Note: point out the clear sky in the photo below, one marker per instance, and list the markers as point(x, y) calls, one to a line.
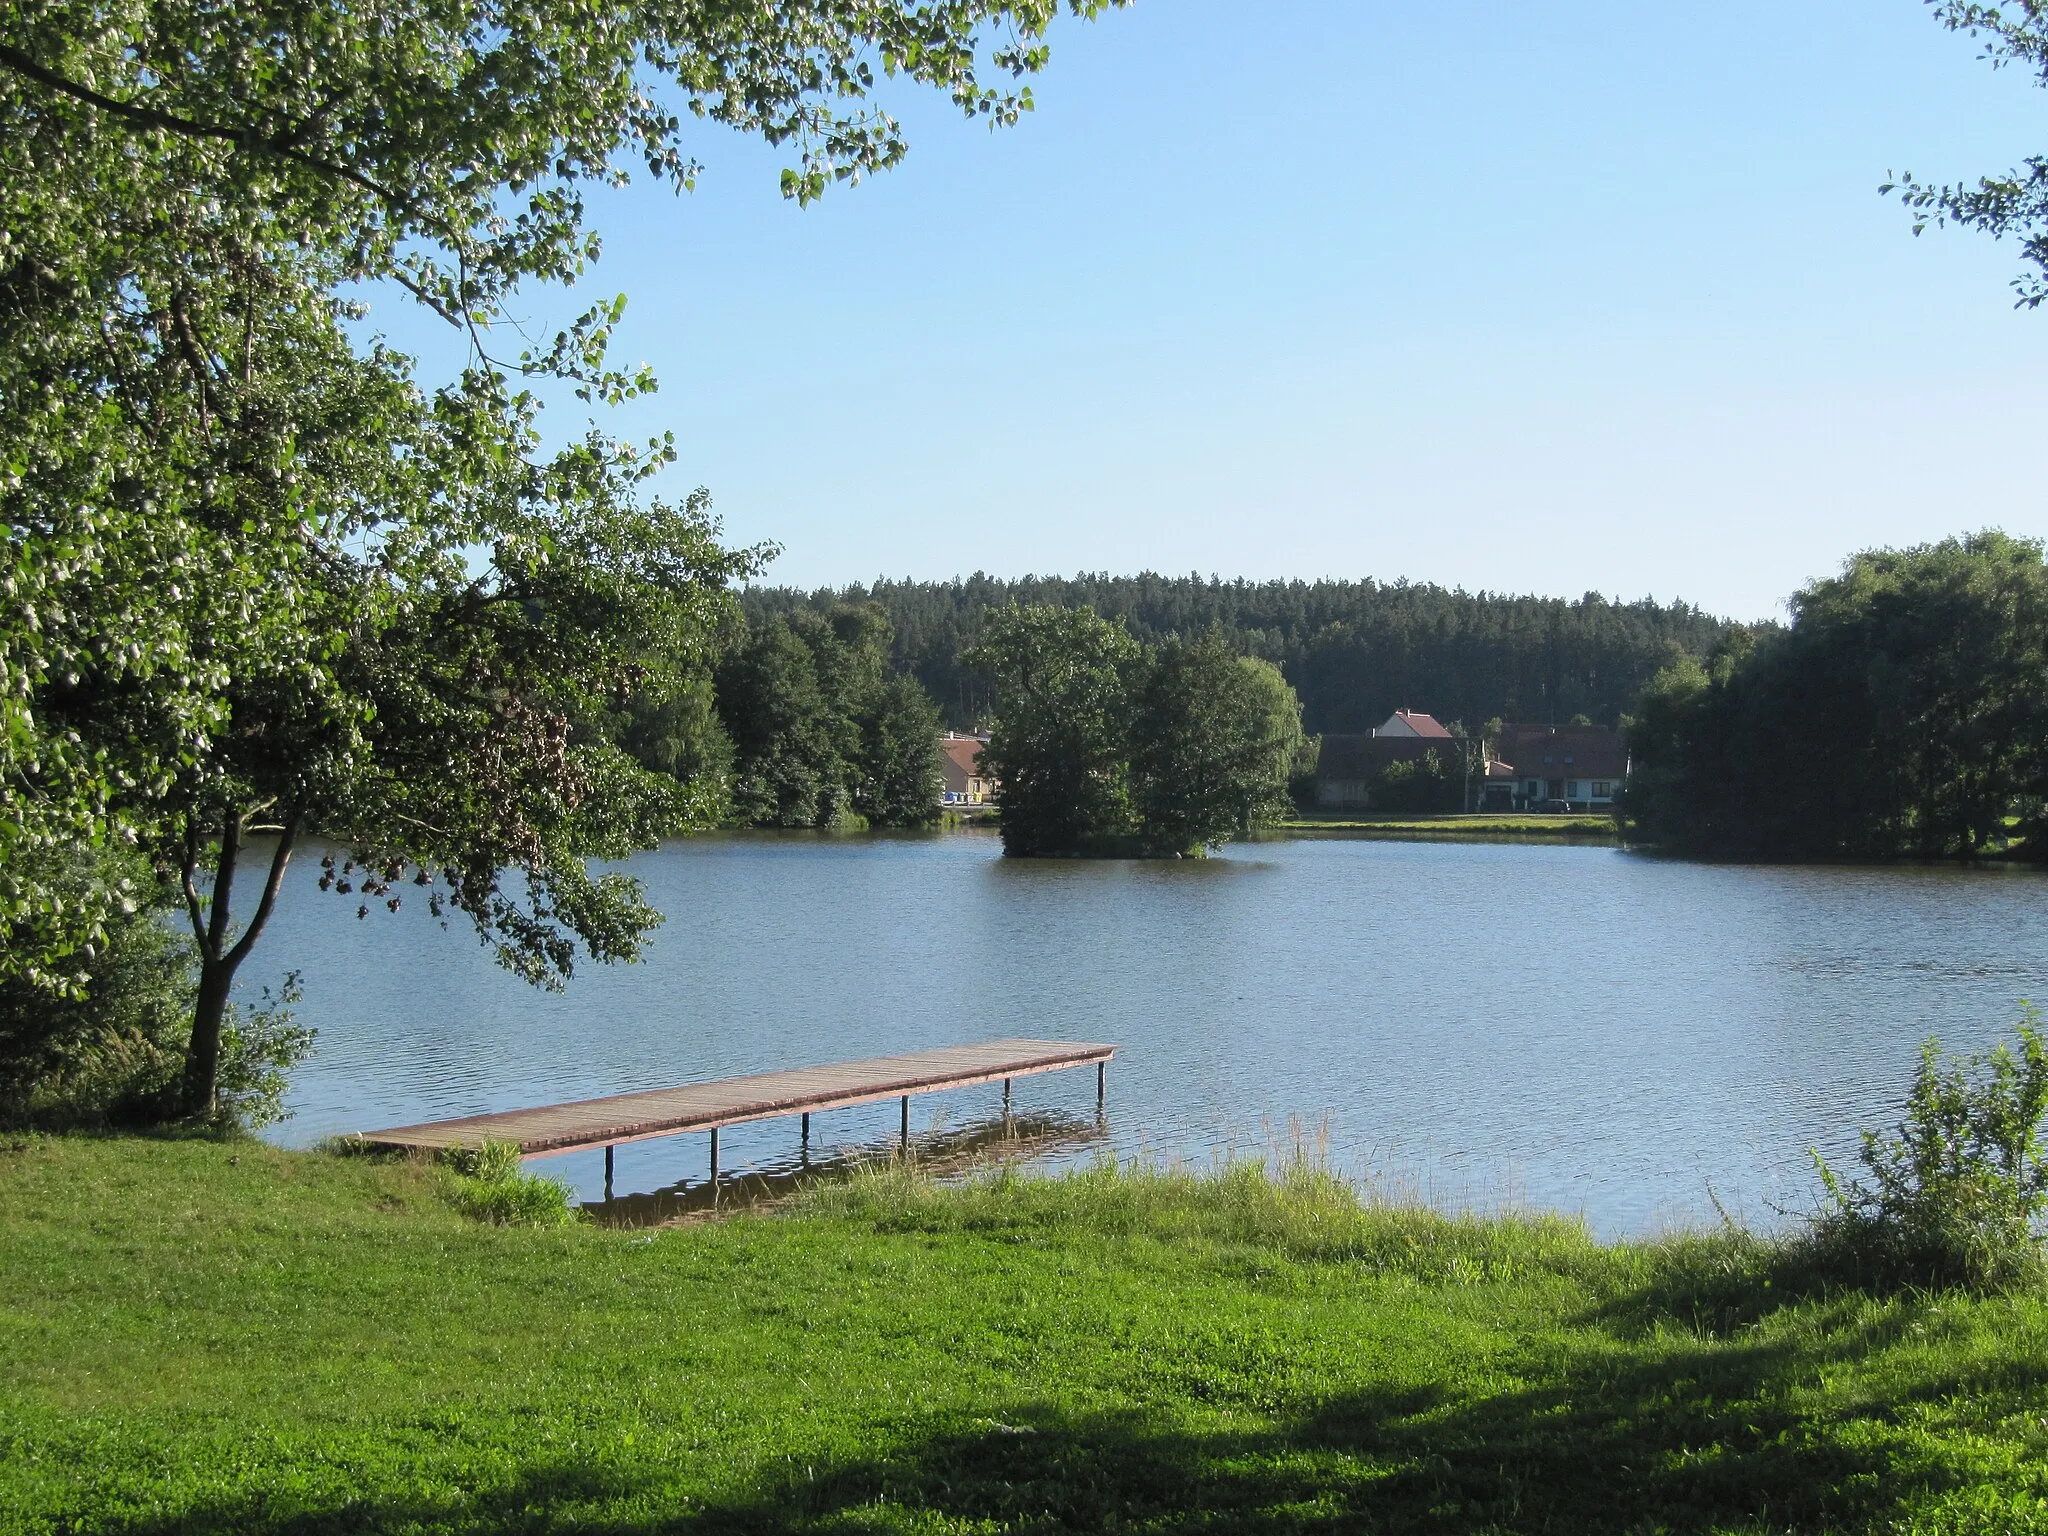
point(1584, 296)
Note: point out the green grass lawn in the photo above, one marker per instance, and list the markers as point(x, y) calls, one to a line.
point(209, 1337)
point(1482, 825)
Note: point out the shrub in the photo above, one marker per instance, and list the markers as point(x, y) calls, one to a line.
point(257, 1047)
point(1958, 1196)
point(486, 1185)
point(112, 1053)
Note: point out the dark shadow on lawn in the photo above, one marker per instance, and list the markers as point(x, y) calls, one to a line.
point(1698, 1441)
point(1606, 1443)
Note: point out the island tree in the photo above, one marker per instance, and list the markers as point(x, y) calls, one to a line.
point(1103, 746)
point(1213, 736)
point(1058, 749)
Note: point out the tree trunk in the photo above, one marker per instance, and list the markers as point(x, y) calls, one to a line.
point(218, 960)
point(202, 1056)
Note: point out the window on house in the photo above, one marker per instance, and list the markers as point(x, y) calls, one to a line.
point(1602, 789)
point(1571, 789)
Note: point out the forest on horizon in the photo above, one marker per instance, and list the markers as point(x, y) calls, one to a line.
point(1353, 650)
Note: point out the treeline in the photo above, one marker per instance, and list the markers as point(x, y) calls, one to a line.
point(1902, 713)
point(1352, 651)
point(800, 723)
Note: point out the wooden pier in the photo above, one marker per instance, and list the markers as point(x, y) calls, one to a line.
point(627, 1117)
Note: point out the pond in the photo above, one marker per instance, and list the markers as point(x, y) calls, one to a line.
point(1583, 1029)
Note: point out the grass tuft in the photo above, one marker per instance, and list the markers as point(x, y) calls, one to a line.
point(1299, 1209)
point(485, 1184)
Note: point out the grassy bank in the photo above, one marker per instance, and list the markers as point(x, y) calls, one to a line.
point(199, 1337)
point(1479, 826)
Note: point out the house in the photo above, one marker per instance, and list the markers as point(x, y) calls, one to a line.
point(1578, 767)
point(1405, 724)
point(1349, 764)
point(962, 781)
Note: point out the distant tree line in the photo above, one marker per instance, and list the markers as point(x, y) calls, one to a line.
point(1104, 745)
point(1902, 713)
point(1352, 651)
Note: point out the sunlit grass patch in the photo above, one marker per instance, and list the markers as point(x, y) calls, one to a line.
point(207, 1336)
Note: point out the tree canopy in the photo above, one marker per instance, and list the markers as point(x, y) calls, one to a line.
point(1904, 712)
point(1353, 650)
point(1101, 745)
point(821, 732)
point(259, 578)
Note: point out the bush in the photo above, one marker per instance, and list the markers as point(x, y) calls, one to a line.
point(1959, 1195)
point(257, 1047)
point(486, 1185)
point(111, 1054)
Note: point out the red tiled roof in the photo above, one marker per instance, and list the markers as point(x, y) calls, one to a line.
point(1564, 751)
point(1422, 725)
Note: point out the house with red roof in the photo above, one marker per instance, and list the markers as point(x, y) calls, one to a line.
point(1573, 767)
point(962, 781)
point(1349, 765)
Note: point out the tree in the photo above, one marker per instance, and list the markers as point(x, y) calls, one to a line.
point(1213, 736)
point(1062, 679)
point(899, 781)
point(793, 745)
point(1429, 783)
point(2016, 203)
point(821, 731)
point(239, 593)
point(1904, 712)
point(116, 1053)
point(680, 734)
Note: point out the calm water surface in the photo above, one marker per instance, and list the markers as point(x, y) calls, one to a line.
point(1576, 1028)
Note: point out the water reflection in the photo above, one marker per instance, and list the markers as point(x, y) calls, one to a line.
point(943, 1154)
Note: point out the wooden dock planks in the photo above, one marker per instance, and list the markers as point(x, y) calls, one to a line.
point(731, 1101)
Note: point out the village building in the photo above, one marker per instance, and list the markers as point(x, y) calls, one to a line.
point(1495, 789)
point(1349, 765)
point(1532, 767)
point(1562, 767)
point(962, 781)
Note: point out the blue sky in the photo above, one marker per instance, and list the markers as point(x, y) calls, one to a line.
point(1529, 298)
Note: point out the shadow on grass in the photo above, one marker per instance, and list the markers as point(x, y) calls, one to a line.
point(1702, 1441)
point(1699, 1437)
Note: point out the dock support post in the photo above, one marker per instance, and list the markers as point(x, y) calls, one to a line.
point(805, 1149)
point(903, 1139)
point(1006, 1101)
point(714, 1157)
point(1101, 1083)
point(607, 1171)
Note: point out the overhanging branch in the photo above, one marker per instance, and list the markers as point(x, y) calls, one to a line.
point(149, 117)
